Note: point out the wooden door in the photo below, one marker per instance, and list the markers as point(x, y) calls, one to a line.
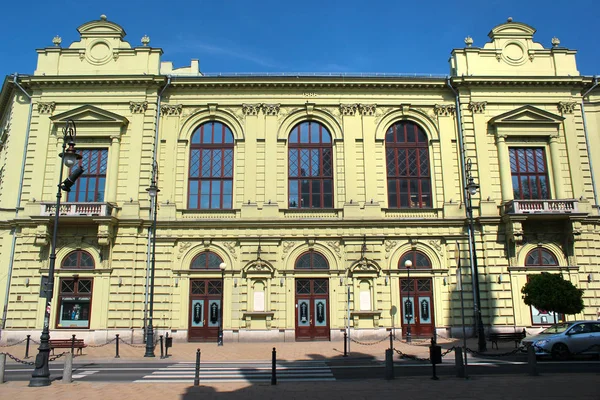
point(205, 313)
point(419, 306)
point(312, 309)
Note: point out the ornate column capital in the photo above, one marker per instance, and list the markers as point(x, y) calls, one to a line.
point(566, 107)
point(444, 110)
point(171, 109)
point(251, 109)
point(367, 109)
point(348, 109)
point(138, 107)
point(271, 109)
point(477, 106)
point(46, 107)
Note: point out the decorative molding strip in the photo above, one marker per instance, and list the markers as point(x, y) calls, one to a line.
point(138, 107)
point(566, 107)
point(46, 108)
point(168, 109)
point(477, 106)
point(251, 109)
point(270, 109)
point(348, 109)
point(442, 110)
point(367, 109)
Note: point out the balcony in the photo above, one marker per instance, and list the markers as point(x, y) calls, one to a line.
point(542, 207)
point(77, 209)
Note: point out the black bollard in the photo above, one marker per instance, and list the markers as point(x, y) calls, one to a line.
point(197, 372)
point(435, 355)
point(459, 365)
point(161, 347)
point(391, 341)
point(389, 364)
point(168, 343)
point(531, 361)
point(117, 346)
point(345, 344)
point(27, 346)
point(73, 345)
point(274, 367)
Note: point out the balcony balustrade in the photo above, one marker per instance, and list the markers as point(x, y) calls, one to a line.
point(77, 209)
point(552, 207)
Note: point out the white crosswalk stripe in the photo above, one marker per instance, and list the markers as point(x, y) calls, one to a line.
point(84, 373)
point(183, 372)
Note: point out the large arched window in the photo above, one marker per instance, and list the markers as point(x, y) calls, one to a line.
point(78, 259)
point(310, 166)
point(311, 260)
point(211, 167)
point(540, 257)
point(206, 260)
point(408, 173)
point(419, 260)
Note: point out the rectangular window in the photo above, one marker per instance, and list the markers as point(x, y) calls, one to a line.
point(91, 184)
point(529, 173)
point(74, 303)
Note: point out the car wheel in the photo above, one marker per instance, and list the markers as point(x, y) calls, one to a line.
point(560, 352)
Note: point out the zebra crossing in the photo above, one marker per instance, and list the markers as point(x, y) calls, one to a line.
point(251, 372)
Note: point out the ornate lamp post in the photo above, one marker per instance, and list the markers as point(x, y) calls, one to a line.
point(41, 374)
point(472, 189)
point(153, 193)
point(222, 266)
point(408, 304)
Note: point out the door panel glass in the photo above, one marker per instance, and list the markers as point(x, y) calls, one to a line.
point(425, 310)
point(197, 313)
point(303, 313)
point(214, 313)
point(408, 310)
point(320, 312)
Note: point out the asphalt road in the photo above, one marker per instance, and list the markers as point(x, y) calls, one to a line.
point(291, 371)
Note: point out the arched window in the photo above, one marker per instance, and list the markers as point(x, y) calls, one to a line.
point(311, 260)
point(310, 170)
point(419, 260)
point(540, 257)
point(210, 183)
point(408, 173)
point(78, 259)
point(206, 260)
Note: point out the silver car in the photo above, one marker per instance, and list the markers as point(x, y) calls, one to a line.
point(565, 339)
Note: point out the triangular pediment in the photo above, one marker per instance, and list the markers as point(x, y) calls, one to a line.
point(528, 115)
point(89, 114)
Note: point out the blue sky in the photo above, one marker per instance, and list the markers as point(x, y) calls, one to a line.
point(307, 36)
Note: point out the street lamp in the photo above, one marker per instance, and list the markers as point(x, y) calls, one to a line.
point(41, 374)
point(408, 304)
point(222, 266)
point(153, 193)
point(471, 190)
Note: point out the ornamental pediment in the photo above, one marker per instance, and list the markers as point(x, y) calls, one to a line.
point(92, 121)
point(527, 115)
point(364, 267)
point(258, 267)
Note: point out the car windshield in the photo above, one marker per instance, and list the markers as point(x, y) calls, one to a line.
point(557, 328)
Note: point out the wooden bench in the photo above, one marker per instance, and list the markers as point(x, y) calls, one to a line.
point(516, 337)
point(66, 344)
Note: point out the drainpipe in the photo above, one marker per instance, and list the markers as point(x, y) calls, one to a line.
point(154, 179)
point(587, 142)
point(474, 272)
point(18, 205)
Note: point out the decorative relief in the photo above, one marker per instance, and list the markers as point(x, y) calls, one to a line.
point(477, 106)
point(138, 107)
point(565, 107)
point(57, 41)
point(271, 109)
point(389, 246)
point(444, 110)
point(231, 247)
point(367, 109)
point(46, 107)
point(287, 246)
point(436, 244)
point(251, 109)
point(183, 247)
point(171, 109)
point(348, 109)
point(335, 245)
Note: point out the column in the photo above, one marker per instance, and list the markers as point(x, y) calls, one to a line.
point(113, 169)
point(559, 187)
point(504, 164)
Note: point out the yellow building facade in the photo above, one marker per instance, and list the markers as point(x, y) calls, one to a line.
point(289, 204)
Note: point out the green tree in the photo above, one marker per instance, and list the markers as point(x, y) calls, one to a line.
point(551, 292)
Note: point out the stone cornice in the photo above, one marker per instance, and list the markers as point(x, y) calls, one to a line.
point(519, 81)
point(91, 80)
